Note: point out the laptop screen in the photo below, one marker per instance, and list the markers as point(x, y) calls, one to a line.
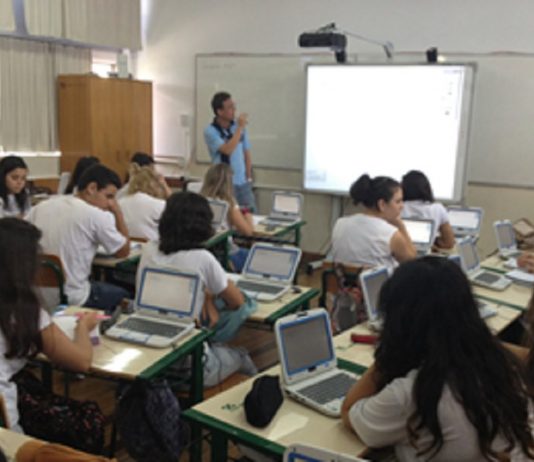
point(219, 212)
point(455, 259)
point(164, 290)
point(420, 231)
point(505, 235)
point(465, 219)
point(286, 203)
point(298, 352)
point(274, 262)
point(372, 282)
point(468, 254)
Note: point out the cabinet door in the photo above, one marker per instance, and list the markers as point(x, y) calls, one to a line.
point(138, 118)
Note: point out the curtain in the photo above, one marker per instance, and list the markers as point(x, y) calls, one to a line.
point(44, 17)
point(7, 17)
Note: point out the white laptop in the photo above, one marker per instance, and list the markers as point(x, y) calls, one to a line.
point(220, 211)
point(268, 271)
point(371, 281)
point(305, 453)
point(506, 243)
point(471, 265)
point(308, 361)
point(465, 221)
point(421, 233)
point(165, 309)
point(286, 209)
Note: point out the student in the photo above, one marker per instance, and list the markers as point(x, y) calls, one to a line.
point(183, 228)
point(14, 197)
point(419, 203)
point(25, 328)
point(81, 166)
point(442, 387)
point(143, 204)
point(218, 185)
point(74, 226)
point(377, 236)
point(144, 160)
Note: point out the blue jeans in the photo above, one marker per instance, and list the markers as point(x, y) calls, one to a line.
point(105, 296)
point(238, 259)
point(245, 196)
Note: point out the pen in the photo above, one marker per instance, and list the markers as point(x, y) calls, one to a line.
point(358, 338)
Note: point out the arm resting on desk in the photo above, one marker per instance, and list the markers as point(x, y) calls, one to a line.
point(445, 239)
point(366, 386)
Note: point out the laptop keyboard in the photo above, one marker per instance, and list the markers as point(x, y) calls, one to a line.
point(488, 278)
point(144, 326)
point(327, 390)
point(257, 287)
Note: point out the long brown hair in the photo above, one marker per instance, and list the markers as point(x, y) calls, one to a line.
point(218, 184)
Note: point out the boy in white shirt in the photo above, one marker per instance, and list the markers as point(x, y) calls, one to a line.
point(74, 226)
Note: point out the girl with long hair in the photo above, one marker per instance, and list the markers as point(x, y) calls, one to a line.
point(14, 197)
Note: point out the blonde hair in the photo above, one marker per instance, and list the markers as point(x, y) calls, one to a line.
point(218, 183)
point(144, 179)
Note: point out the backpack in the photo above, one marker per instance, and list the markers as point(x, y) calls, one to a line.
point(148, 421)
point(54, 418)
point(347, 309)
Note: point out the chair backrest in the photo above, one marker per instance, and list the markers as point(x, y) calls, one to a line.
point(50, 275)
point(64, 179)
point(330, 280)
point(4, 418)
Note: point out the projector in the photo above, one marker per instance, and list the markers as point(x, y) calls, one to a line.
point(323, 39)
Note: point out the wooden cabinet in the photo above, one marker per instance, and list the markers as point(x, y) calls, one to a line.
point(107, 118)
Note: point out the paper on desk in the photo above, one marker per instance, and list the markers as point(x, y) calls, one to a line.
point(521, 277)
point(67, 323)
point(256, 219)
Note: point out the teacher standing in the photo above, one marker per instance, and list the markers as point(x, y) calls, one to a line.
point(227, 141)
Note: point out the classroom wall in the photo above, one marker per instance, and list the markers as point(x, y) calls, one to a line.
point(175, 30)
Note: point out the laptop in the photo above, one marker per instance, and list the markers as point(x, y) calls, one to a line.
point(471, 265)
point(465, 221)
point(220, 212)
point(421, 232)
point(165, 309)
point(286, 209)
point(506, 243)
point(308, 362)
point(268, 271)
point(371, 281)
point(305, 453)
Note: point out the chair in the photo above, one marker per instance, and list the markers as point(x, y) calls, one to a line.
point(50, 275)
point(64, 179)
point(329, 280)
point(4, 418)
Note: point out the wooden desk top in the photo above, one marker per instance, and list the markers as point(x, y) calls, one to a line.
point(293, 423)
point(111, 261)
point(11, 441)
point(516, 296)
point(495, 263)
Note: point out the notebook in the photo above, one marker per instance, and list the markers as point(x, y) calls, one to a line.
point(421, 232)
point(471, 265)
point(506, 243)
point(220, 211)
point(308, 362)
point(305, 453)
point(371, 281)
point(268, 271)
point(286, 209)
point(465, 221)
point(165, 309)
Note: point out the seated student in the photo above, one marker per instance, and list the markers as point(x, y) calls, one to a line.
point(14, 197)
point(183, 228)
point(218, 185)
point(74, 226)
point(25, 328)
point(144, 160)
point(377, 236)
point(143, 204)
point(81, 166)
point(419, 203)
point(442, 388)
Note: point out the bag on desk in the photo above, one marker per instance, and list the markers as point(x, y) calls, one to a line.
point(148, 421)
point(263, 401)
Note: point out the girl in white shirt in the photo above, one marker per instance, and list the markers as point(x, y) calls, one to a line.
point(218, 185)
point(14, 197)
point(419, 203)
point(442, 388)
point(376, 236)
point(26, 329)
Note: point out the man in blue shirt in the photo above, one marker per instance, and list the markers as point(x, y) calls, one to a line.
point(227, 141)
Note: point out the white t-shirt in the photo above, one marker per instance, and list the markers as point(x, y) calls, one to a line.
point(200, 261)
point(12, 209)
point(73, 230)
point(122, 192)
point(428, 210)
point(363, 240)
point(8, 368)
point(141, 214)
point(380, 420)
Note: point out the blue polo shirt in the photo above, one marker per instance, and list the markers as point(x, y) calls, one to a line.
point(214, 141)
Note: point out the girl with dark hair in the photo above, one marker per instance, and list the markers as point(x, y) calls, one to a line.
point(184, 227)
point(442, 387)
point(81, 166)
point(26, 329)
point(377, 236)
point(419, 203)
point(14, 197)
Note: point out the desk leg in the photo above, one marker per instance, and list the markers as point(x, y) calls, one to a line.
point(219, 447)
point(226, 255)
point(196, 394)
point(297, 236)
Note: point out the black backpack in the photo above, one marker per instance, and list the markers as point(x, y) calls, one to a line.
point(149, 424)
